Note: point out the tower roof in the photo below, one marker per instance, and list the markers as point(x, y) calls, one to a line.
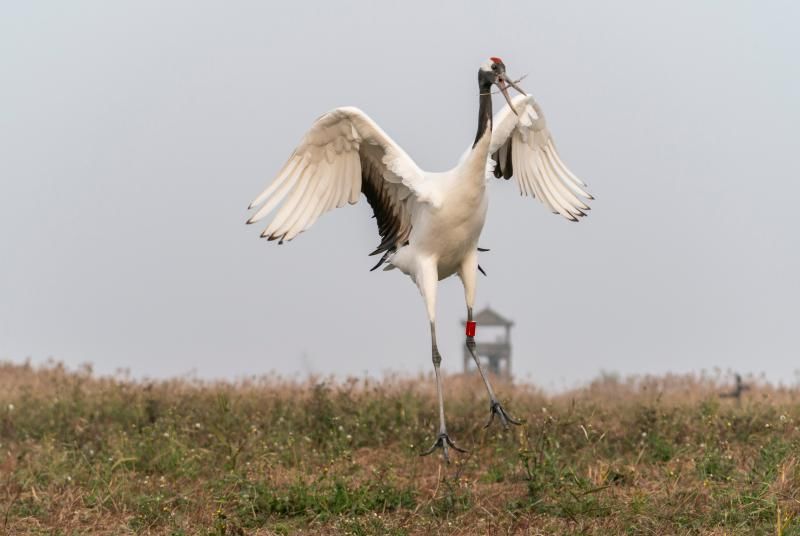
point(489, 317)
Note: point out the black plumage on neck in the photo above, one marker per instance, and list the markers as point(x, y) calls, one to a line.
point(484, 110)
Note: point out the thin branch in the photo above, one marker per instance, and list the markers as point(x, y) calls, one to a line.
point(521, 78)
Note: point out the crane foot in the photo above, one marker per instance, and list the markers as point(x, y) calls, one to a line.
point(505, 418)
point(443, 442)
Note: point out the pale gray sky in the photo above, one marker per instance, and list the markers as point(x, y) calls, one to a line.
point(134, 134)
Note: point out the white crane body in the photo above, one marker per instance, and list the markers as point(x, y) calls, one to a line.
point(429, 223)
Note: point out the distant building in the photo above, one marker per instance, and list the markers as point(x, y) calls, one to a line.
point(492, 344)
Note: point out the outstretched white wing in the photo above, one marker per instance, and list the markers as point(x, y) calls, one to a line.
point(523, 147)
point(344, 154)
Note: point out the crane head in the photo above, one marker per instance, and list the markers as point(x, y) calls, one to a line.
point(493, 71)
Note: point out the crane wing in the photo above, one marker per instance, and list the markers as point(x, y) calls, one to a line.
point(523, 147)
point(344, 154)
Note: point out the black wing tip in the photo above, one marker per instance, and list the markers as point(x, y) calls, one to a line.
point(280, 238)
point(380, 262)
point(579, 217)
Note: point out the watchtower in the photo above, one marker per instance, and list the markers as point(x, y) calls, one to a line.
point(492, 344)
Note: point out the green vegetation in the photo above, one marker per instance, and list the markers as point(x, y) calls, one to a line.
point(87, 455)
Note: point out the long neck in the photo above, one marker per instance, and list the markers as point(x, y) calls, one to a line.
point(484, 111)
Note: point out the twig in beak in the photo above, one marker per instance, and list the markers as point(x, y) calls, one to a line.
point(515, 86)
point(512, 84)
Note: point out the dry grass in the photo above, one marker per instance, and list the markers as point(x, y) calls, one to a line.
point(87, 455)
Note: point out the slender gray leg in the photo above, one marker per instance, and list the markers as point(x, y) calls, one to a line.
point(495, 407)
point(443, 441)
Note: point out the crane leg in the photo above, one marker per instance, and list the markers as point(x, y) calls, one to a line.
point(427, 285)
point(468, 275)
point(443, 440)
point(495, 408)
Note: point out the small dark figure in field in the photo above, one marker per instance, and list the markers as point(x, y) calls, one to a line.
point(737, 391)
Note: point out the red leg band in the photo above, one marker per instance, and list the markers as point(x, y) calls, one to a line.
point(471, 328)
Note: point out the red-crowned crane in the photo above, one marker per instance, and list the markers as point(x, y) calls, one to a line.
point(429, 223)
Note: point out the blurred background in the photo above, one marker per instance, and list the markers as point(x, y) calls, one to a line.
point(134, 135)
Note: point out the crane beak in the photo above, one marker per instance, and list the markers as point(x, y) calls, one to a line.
point(502, 83)
point(515, 86)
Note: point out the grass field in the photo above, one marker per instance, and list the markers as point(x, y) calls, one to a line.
point(87, 455)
